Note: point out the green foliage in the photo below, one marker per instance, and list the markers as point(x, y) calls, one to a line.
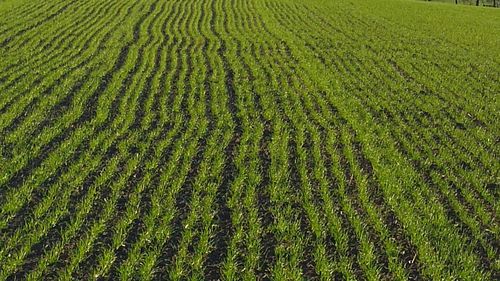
point(253, 140)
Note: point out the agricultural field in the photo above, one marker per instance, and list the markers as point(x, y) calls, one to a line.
point(249, 140)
